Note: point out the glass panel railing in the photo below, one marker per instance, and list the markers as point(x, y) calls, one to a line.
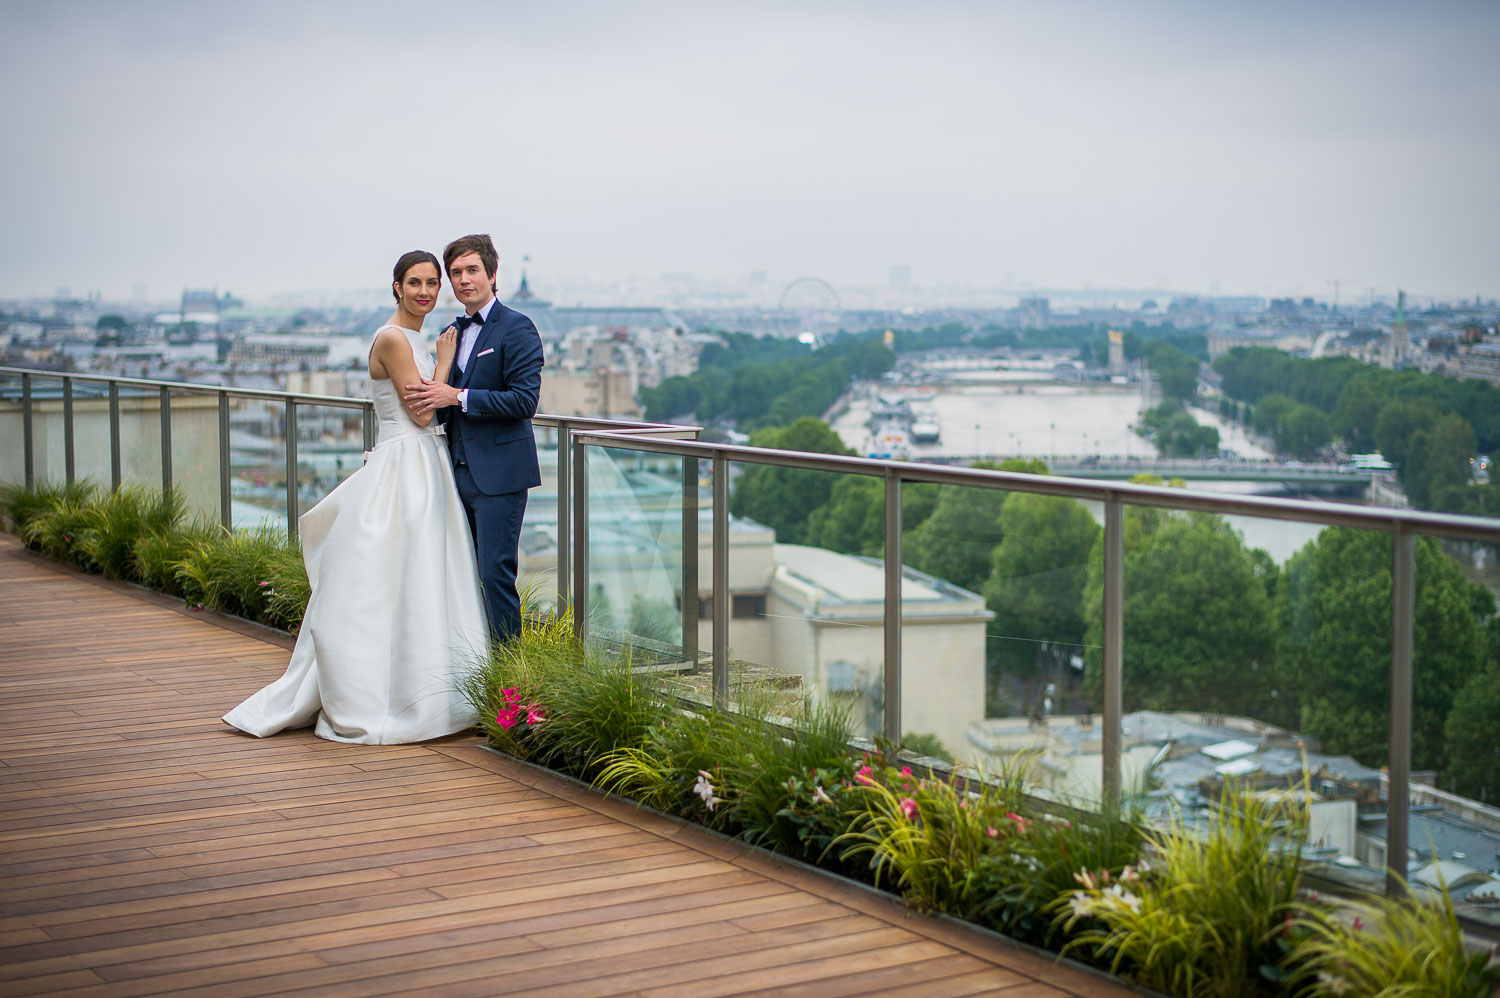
point(195, 453)
point(140, 436)
point(12, 422)
point(635, 553)
point(47, 448)
point(807, 602)
point(330, 448)
point(1258, 651)
point(91, 454)
point(1029, 561)
point(257, 462)
point(537, 574)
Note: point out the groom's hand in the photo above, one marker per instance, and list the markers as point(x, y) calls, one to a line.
point(430, 395)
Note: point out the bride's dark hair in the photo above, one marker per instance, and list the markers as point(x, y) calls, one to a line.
point(407, 262)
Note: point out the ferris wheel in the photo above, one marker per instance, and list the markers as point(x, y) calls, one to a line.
point(811, 308)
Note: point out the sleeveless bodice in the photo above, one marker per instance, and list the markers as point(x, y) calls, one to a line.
point(393, 422)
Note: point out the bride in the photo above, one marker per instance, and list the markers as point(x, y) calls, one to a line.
point(395, 612)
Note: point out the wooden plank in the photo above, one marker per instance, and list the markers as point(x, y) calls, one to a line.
point(146, 847)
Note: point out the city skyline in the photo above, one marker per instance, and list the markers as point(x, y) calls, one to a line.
point(284, 148)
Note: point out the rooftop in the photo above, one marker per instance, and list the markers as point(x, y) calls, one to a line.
point(149, 848)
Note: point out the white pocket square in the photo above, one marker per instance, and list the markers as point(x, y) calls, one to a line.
point(483, 352)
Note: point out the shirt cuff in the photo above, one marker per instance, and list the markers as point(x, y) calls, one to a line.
point(463, 399)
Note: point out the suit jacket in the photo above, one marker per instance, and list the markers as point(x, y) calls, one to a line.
point(504, 380)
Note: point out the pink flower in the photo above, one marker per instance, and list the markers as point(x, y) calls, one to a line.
point(507, 718)
point(862, 776)
point(512, 696)
point(905, 770)
point(992, 832)
point(908, 807)
point(534, 715)
point(262, 584)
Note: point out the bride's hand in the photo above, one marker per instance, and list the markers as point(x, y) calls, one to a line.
point(447, 345)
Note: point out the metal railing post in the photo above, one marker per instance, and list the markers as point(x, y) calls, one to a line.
point(69, 453)
point(226, 498)
point(721, 581)
point(892, 717)
point(291, 468)
point(367, 417)
point(690, 561)
point(580, 601)
point(1114, 646)
point(27, 448)
point(166, 441)
point(116, 472)
point(1398, 802)
point(564, 513)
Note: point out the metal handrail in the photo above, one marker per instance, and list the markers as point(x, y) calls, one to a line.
point(1403, 524)
point(291, 401)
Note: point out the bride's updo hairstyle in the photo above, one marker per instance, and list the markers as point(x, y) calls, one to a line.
point(407, 262)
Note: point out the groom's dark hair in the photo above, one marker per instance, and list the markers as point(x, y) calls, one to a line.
point(481, 244)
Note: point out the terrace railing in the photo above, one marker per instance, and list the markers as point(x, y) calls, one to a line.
point(629, 518)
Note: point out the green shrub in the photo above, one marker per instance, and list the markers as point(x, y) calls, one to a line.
point(935, 837)
point(1202, 918)
point(1022, 888)
point(231, 570)
point(1389, 947)
point(21, 505)
point(55, 527)
point(157, 557)
point(546, 697)
point(117, 520)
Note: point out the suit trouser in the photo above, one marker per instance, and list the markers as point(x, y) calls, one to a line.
point(495, 522)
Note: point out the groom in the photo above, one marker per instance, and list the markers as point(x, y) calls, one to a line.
point(486, 406)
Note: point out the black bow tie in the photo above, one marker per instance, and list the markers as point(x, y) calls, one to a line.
point(465, 321)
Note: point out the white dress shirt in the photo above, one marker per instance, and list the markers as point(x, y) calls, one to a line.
point(466, 348)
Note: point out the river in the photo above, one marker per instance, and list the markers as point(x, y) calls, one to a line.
point(1023, 412)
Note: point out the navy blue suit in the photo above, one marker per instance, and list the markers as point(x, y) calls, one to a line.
point(494, 451)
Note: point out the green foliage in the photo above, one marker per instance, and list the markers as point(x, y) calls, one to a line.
point(54, 520)
point(932, 837)
point(1334, 619)
point(547, 697)
point(1396, 412)
point(21, 505)
point(115, 523)
point(957, 540)
point(1392, 948)
point(1176, 370)
point(925, 743)
point(767, 381)
point(774, 766)
point(232, 571)
point(156, 556)
point(1472, 738)
point(1197, 618)
point(1023, 892)
point(784, 498)
point(1201, 919)
point(1177, 434)
point(1039, 571)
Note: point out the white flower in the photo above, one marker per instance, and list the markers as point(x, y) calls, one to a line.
point(1080, 905)
point(820, 796)
point(1121, 896)
point(1335, 985)
point(704, 789)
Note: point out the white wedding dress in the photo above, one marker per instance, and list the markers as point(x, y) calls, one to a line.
point(395, 616)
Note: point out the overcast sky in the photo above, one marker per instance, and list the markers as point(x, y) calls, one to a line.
point(1266, 148)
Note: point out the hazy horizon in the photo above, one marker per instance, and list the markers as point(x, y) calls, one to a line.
point(287, 147)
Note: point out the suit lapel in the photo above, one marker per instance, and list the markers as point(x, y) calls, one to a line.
point(491, 324)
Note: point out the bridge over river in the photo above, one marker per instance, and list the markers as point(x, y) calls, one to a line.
point(1338, 477)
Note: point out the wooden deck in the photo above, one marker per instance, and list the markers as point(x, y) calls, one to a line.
point(147, 848)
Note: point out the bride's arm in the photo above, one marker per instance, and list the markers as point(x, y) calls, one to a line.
point(393, 353)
